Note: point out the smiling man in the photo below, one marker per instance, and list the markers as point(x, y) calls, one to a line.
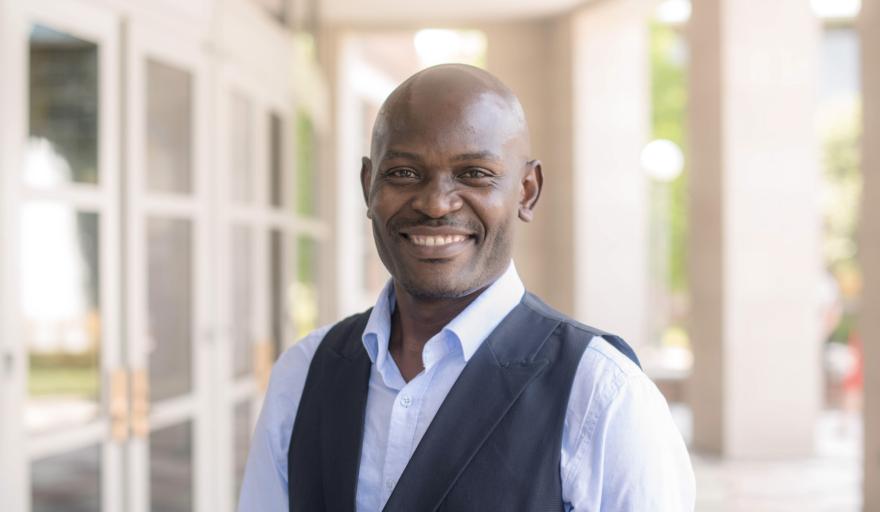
point(459, 390)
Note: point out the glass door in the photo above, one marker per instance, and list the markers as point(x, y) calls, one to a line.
point(67, 261)
point(254, 315)
point(169, 293)
point(245, 356)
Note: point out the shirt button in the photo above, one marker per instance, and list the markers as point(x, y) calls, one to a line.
point(405, 401)
point(389, 484)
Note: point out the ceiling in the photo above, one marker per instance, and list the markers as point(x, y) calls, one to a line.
point(437, 11)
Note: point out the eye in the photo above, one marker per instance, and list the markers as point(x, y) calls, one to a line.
point(475, 173)
point(401, 173)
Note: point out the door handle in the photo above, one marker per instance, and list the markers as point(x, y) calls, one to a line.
point(263, 358)
point(119, 405)
point(140, 406)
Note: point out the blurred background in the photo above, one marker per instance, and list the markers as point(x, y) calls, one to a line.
point(180, 202)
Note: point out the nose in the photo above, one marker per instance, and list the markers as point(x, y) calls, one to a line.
point(437, 198)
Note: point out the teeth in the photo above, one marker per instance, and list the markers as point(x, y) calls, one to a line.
point(434, 241)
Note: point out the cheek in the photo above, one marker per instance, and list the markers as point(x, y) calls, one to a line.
point(495, 214)
point(384, 204)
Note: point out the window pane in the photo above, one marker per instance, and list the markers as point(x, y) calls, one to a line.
point(276, 160)
point(70, 482)
point(276, 290)
point(241, 147)
point(306, 170)
point(242, 297)
point(63, 110)
point(169, 129)
point(304, 290)
point(170, 307)
point(242, 419)
point(171, 469)
point(60, 304)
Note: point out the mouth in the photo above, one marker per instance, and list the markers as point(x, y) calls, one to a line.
point(435, 241)
point(436, 245)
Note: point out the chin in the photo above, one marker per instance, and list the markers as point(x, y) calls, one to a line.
point(441, 285)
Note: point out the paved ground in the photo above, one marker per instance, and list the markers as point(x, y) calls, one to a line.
point(830, 481)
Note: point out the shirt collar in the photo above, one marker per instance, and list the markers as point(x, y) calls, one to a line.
point(469, 328)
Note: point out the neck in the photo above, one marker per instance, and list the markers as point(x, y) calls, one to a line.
point(415, 321)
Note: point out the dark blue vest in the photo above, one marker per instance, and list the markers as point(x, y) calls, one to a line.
point(493, 445)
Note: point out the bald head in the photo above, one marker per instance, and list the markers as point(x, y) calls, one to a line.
point(453, 97)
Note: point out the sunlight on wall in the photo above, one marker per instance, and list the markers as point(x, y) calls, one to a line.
point(437, 46)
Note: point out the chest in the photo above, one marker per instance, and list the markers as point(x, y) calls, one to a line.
point(502, 474)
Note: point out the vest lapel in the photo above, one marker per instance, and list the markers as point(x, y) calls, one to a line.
point(493, 379)
point(348, 376)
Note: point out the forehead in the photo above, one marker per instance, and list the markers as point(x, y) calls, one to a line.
point(444, 125)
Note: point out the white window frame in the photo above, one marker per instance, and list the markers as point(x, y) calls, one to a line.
point(83, 20)
point(174, 48)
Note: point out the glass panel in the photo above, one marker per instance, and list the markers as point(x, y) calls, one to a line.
point(70, 482)
point(306, 170)
point(63, 110)
point(242, 297)
point(242, 419)
point(169, 129)
point(276, 160)
point(304, 290)
point(171, 470)
point(241, 147)
point(170, 306)
point(60, 304)
point(276, 289)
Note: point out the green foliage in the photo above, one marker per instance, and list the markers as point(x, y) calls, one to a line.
point(668, 121)
point(64, 375)
point(306, 185)
point(841, 136)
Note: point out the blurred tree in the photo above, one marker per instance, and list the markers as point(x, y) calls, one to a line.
point(840, 123)
point(668, 53)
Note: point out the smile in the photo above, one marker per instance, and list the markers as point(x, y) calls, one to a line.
point(436, 241)
point(436, 244)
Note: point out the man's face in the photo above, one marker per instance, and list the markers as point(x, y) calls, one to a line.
point(447, 181)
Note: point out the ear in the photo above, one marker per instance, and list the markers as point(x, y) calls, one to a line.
point(530, 188)
point(366, 179)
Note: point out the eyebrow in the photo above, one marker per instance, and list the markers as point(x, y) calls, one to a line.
point(392, 155)
point(479, 155)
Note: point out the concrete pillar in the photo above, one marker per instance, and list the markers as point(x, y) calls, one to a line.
point(869, 247)
point(611, 126)
point(754, 254)
point(534, 59)
point(583, 81)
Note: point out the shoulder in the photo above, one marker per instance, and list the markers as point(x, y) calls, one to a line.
point(300, 353)
point(619, 434)
point(606, 343)
point(288, 377)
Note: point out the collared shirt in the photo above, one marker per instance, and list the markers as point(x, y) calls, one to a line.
point(620, 448)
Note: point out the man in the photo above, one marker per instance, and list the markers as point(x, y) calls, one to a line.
point(459, 391)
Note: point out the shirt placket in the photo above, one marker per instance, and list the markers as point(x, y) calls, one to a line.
point(401, 432)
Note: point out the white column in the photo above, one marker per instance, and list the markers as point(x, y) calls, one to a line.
point(611, 126)
point(869, 248)
point(754, 254)
point(14, 469)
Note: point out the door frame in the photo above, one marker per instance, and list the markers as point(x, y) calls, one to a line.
point(143, 41)
point(83, 20)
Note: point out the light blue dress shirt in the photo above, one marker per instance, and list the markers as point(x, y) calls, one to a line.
point(620, 449)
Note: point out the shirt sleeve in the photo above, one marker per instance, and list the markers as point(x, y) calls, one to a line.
point(628, 455)
point(265, 478)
